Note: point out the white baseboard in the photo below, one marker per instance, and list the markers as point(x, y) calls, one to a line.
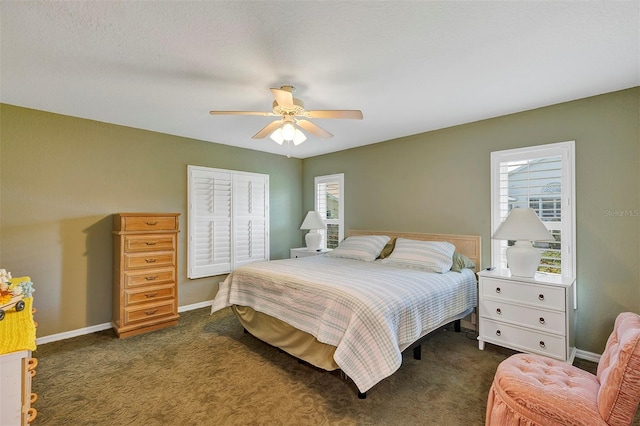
point(101, 327)
point(588, 356)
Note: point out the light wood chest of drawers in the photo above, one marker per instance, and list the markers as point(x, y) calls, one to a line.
point(534, 315)
point(145, 266)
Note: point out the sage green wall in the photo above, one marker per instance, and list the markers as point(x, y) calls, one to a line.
point(440, 182)
point(61, 179)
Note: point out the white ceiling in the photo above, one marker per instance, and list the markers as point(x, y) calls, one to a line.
point(410, 66)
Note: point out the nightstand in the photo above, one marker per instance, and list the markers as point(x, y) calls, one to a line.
point(534, 315)
point(303, 252)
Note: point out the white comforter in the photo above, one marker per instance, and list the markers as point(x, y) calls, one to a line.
point(369, 311)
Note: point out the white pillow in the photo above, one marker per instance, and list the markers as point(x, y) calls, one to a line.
point(430, 256)
point(365, 247)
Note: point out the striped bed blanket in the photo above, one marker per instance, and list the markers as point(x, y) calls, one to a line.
point(369, 311)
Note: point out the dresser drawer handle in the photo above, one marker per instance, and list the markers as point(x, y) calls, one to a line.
point(541, 297)
point(150, 312)
point(32, 413)
point(542, 321)
point(542, 345)
point(498, 333)
point(150, 295)
point(152, 223)
point(151, 243)
point(32, 363)
point(152, 260)
point(499, 311)
point(151, 278)
point(498, 290)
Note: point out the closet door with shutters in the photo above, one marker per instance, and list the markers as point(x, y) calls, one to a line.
point(251, 219)
point(210, 213)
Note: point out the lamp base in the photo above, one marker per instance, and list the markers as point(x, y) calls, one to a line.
point(313, 240)
point(523, 259)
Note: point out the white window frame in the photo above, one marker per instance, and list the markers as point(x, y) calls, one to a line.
point(233, 218)
point(568, 223)
point(318, 180)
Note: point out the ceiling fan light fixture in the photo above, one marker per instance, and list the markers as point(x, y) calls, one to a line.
point(288, 133)
point(276, 136)
point(298, 137)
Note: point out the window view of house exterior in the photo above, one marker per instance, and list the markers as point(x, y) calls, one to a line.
point(542, 178)
point(330, 203)
point(537, 184)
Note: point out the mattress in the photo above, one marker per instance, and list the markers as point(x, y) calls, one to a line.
point(368, 311)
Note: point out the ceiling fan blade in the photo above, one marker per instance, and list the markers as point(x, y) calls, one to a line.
point(312, 128)
point(351, 113)
point(267, 130)
point(241, 113)
point(284, 98)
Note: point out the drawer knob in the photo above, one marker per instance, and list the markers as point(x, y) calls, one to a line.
point(541, 297)
point(498, 333)
point(542, 345)
point(149, 295)
point(151, 260)
point(541, 320)
point(498, 290)
point(151, 243)
point(499, 311)
point(150, 312)
point(152, 223)
point(151, 278)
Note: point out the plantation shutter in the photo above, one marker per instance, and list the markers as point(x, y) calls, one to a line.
point(210, 218)
point(250, 212)
point(228, 220)
point(329, 203)
point(540, 178)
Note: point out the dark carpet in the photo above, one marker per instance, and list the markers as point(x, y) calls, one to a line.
point(206, 371)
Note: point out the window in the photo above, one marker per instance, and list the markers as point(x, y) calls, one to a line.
point(329, 201)
point(228, 220)
point(540, 177)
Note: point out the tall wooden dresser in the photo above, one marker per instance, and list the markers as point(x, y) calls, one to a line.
point(145, 267)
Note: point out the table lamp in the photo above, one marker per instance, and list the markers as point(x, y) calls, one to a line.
point(523, 226)
point(313, 221)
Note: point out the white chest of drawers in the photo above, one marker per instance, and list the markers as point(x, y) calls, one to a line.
point(303, 252)
point(534, 315)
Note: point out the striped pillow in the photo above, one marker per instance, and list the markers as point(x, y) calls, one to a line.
point(430, 256)
point(366, 247)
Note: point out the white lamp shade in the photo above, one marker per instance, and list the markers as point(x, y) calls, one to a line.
point(523, 226)
point(313, 220)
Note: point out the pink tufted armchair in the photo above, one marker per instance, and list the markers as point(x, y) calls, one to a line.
point(536, 390)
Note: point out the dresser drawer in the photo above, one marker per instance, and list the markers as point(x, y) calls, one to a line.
point(149, 311)
point(148, 260)
point(149, 223)
point(133, 279)
point(149, 294)
point(523, 339)
point(149, 242)
point(543, 320)
point(531, 294)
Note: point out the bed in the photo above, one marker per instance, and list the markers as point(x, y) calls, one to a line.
point(353, 314)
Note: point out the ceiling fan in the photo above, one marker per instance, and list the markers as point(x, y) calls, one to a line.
point(289, 109)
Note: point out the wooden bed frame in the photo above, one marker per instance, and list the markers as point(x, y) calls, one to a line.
point(468, 245)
